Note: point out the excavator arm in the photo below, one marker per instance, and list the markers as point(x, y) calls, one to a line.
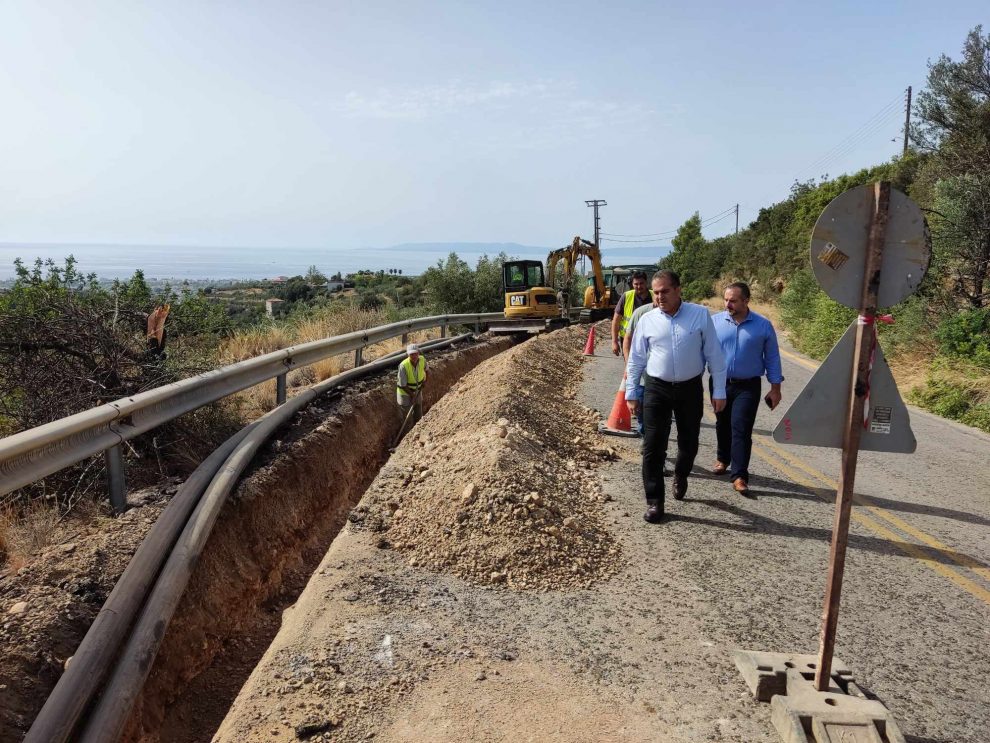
point(580, 247)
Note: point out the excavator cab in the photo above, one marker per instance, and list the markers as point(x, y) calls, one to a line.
point(526, 292)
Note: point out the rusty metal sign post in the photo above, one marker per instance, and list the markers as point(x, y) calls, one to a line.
point(865, 339)
point(870, 248)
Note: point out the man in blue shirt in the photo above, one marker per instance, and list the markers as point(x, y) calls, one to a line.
point(749, 343)
point(672, 344)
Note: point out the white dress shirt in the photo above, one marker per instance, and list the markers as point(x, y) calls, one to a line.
point(675, 347)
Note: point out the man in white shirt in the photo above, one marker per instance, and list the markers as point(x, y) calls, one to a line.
point(672, 344)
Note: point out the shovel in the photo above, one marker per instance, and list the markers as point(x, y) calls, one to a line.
point(405, 422)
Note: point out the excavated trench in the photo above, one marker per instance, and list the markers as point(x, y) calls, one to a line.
point(269, 538)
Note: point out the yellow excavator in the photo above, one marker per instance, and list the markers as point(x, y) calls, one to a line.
point(599, 302)
point(531, 306)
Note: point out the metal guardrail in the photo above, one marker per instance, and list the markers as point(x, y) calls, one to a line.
point(30, 455)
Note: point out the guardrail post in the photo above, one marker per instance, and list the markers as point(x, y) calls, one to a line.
point(405, 340)
point(443, 329)
point(477, 327)
point(280, 393)
point(359, 357)
point(116, 484)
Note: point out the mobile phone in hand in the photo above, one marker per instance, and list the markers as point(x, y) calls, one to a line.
point(766, 399)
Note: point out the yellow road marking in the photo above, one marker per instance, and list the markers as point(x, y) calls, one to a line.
point(806, 363)
point(793, 468)
point(872, 525)
point(879, 511)
point(962, 560)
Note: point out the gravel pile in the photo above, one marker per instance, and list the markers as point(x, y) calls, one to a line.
point(497, 483)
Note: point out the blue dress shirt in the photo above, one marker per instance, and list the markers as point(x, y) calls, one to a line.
point(675, 348)
point(750, 347)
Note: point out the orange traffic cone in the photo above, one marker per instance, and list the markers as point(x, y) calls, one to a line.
point(619, 422)
point(589, 347)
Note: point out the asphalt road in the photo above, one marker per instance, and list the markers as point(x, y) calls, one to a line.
point(915, 616)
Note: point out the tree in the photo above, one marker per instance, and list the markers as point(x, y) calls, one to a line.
point(689, 259)
point(450, 285)
point(488, 296)
point(953, 126)
point(296, 289)
point(315, 277)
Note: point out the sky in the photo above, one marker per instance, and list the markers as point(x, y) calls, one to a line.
point(342, 126)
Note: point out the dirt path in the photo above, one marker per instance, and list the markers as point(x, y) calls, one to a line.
point(378, 647)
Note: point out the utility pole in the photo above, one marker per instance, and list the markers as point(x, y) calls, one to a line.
point(737, 219)
point(907, 120)
point(595, 203)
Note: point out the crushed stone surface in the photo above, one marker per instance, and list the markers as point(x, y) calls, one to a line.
point(499, 484)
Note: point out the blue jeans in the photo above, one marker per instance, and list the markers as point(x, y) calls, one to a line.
point(734, 426)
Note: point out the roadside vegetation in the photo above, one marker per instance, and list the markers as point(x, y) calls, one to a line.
point(70, 342)
point(944, 329)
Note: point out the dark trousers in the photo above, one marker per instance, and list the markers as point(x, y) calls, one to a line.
point(685, 400)
point(417, 413)
point(734, 426)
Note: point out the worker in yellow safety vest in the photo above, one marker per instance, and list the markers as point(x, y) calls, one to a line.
point(412, 377)
point(624, 308)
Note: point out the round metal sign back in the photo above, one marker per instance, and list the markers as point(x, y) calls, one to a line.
point(839, 240)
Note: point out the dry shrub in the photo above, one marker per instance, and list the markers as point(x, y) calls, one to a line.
point(258, 400)
point(256, 341)
point(272, 336)
point(26, 531)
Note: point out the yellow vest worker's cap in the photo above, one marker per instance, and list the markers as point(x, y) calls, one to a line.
point(411, 349)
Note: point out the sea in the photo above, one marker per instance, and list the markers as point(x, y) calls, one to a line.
point(233, 263)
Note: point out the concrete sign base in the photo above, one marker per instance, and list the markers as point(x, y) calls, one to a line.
point(802, 714)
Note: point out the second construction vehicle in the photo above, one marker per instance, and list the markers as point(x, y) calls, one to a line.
point(599, 300)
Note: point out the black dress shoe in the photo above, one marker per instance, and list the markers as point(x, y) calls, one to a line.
point(654, 513)
point(680, 487)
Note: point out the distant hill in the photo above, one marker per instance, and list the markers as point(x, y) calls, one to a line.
point(467, 250)
point(470, 248)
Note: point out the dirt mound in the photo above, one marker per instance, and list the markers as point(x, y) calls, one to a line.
point(497, 484)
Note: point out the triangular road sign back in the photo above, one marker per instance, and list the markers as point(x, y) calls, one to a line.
point(817, 415)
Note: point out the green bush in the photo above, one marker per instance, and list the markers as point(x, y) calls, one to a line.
point(956, 389)
point(697, 290)
point(815, 322)
point(910, 332)
point(371, 301)
point(966, 335)
point(978, 416)
point(796, 309)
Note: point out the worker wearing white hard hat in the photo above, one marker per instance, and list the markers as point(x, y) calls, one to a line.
point(409, 385)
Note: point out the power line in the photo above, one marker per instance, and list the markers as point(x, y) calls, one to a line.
point(664, 232)
point(713, 220)
point(886, 108)
point(851, 145)
point(654, 235)
point(864, 130)
point(870, 127)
